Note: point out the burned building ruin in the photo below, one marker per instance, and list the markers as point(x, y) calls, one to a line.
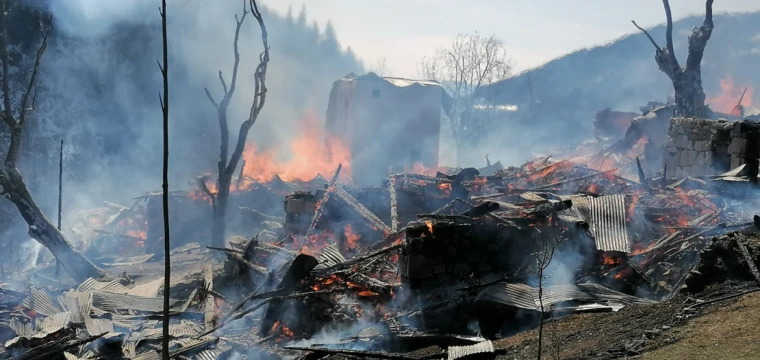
point(700, 147)
point(386, 122)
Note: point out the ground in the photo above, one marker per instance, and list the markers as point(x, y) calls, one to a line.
point(724, 329)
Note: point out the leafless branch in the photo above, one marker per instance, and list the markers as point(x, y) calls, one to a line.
point(221, 78)
point(7, 110)
point(260, 93)
point(211, 98)
point(669, 36)
point(647, 34)
point(35, 71)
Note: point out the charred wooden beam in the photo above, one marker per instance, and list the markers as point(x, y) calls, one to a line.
point(371, 284)
point(372, 220)
point(394, 203)
point(321, 204)
point(750, 261)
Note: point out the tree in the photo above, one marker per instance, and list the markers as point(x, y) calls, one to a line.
point(547, 246)
point(687, 80)
point(469, 71)
point(228, 164)
point(379, 67)
point(13, 186)
point(165, 172)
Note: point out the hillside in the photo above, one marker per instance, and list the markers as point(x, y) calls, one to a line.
point(562, 96)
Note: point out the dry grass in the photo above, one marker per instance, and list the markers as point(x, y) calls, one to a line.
point(729, 332)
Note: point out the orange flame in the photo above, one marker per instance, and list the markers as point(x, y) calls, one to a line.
point(429, 224)
point(310, 156)
point(352, 238)
point(728, 99)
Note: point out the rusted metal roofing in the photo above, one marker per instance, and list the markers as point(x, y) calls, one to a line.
point(43, 303)
point(98, 326)
point(330, 256)
point(150, 289)
point(457, 352)
point(79, 304)
point(110, 286)
point(608, 223)
point(111, 302)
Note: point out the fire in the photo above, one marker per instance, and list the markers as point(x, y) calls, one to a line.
point(367, 293)
point(285, 332)
point(594, 188)
point(352, 238)
point(419, 168)
point(548, 170)
point(445, 188)
point(310, 156)
point(429, 224)
point(618, 275)
point(632, 208)
point(728, 99)
point(137, 234)
point(612, 260)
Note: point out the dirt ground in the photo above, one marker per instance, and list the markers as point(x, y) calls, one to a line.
point(659, 331)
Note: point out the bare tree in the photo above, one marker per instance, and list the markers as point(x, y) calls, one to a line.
point(687, 80)
point(228, 164)
point(13, 186)
point(548, 241)
point(379, 67)
point(165, 172)
point(469, 71)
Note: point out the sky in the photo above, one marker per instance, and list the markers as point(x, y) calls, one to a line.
point(399, 33)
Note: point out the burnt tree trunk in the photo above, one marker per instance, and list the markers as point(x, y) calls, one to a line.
point(687, 80)
point(13, 186)
point(227, 165)
point(219, 217)
point(42, 230)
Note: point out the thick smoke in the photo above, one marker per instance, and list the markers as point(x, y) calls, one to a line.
point(99, 85)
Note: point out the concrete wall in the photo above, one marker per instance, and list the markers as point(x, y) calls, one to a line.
point(385, 125)
point(700, 147)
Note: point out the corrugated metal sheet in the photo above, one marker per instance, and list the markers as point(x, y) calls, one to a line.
point(111, 286)
point(330, 256)
point(98, 326)
point(517, 295)
point(111, 302)
point(526, 297)
point(458, 352)
point(207, 355)
point(150, 289)
point(51, 325)
point(43, 303)
point(608, 223)
point(369, 332)
point(184, 346)
point(79, 304)
point(129, 349)
point(22, 329)
point(532, 196)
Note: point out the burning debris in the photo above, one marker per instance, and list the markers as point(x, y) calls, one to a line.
point(316, 283)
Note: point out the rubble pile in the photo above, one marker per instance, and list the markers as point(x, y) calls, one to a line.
point(452, 259)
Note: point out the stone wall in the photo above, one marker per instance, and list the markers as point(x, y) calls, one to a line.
point(700, 147)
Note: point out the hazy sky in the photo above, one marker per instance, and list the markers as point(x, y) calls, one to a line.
point(534, 31)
